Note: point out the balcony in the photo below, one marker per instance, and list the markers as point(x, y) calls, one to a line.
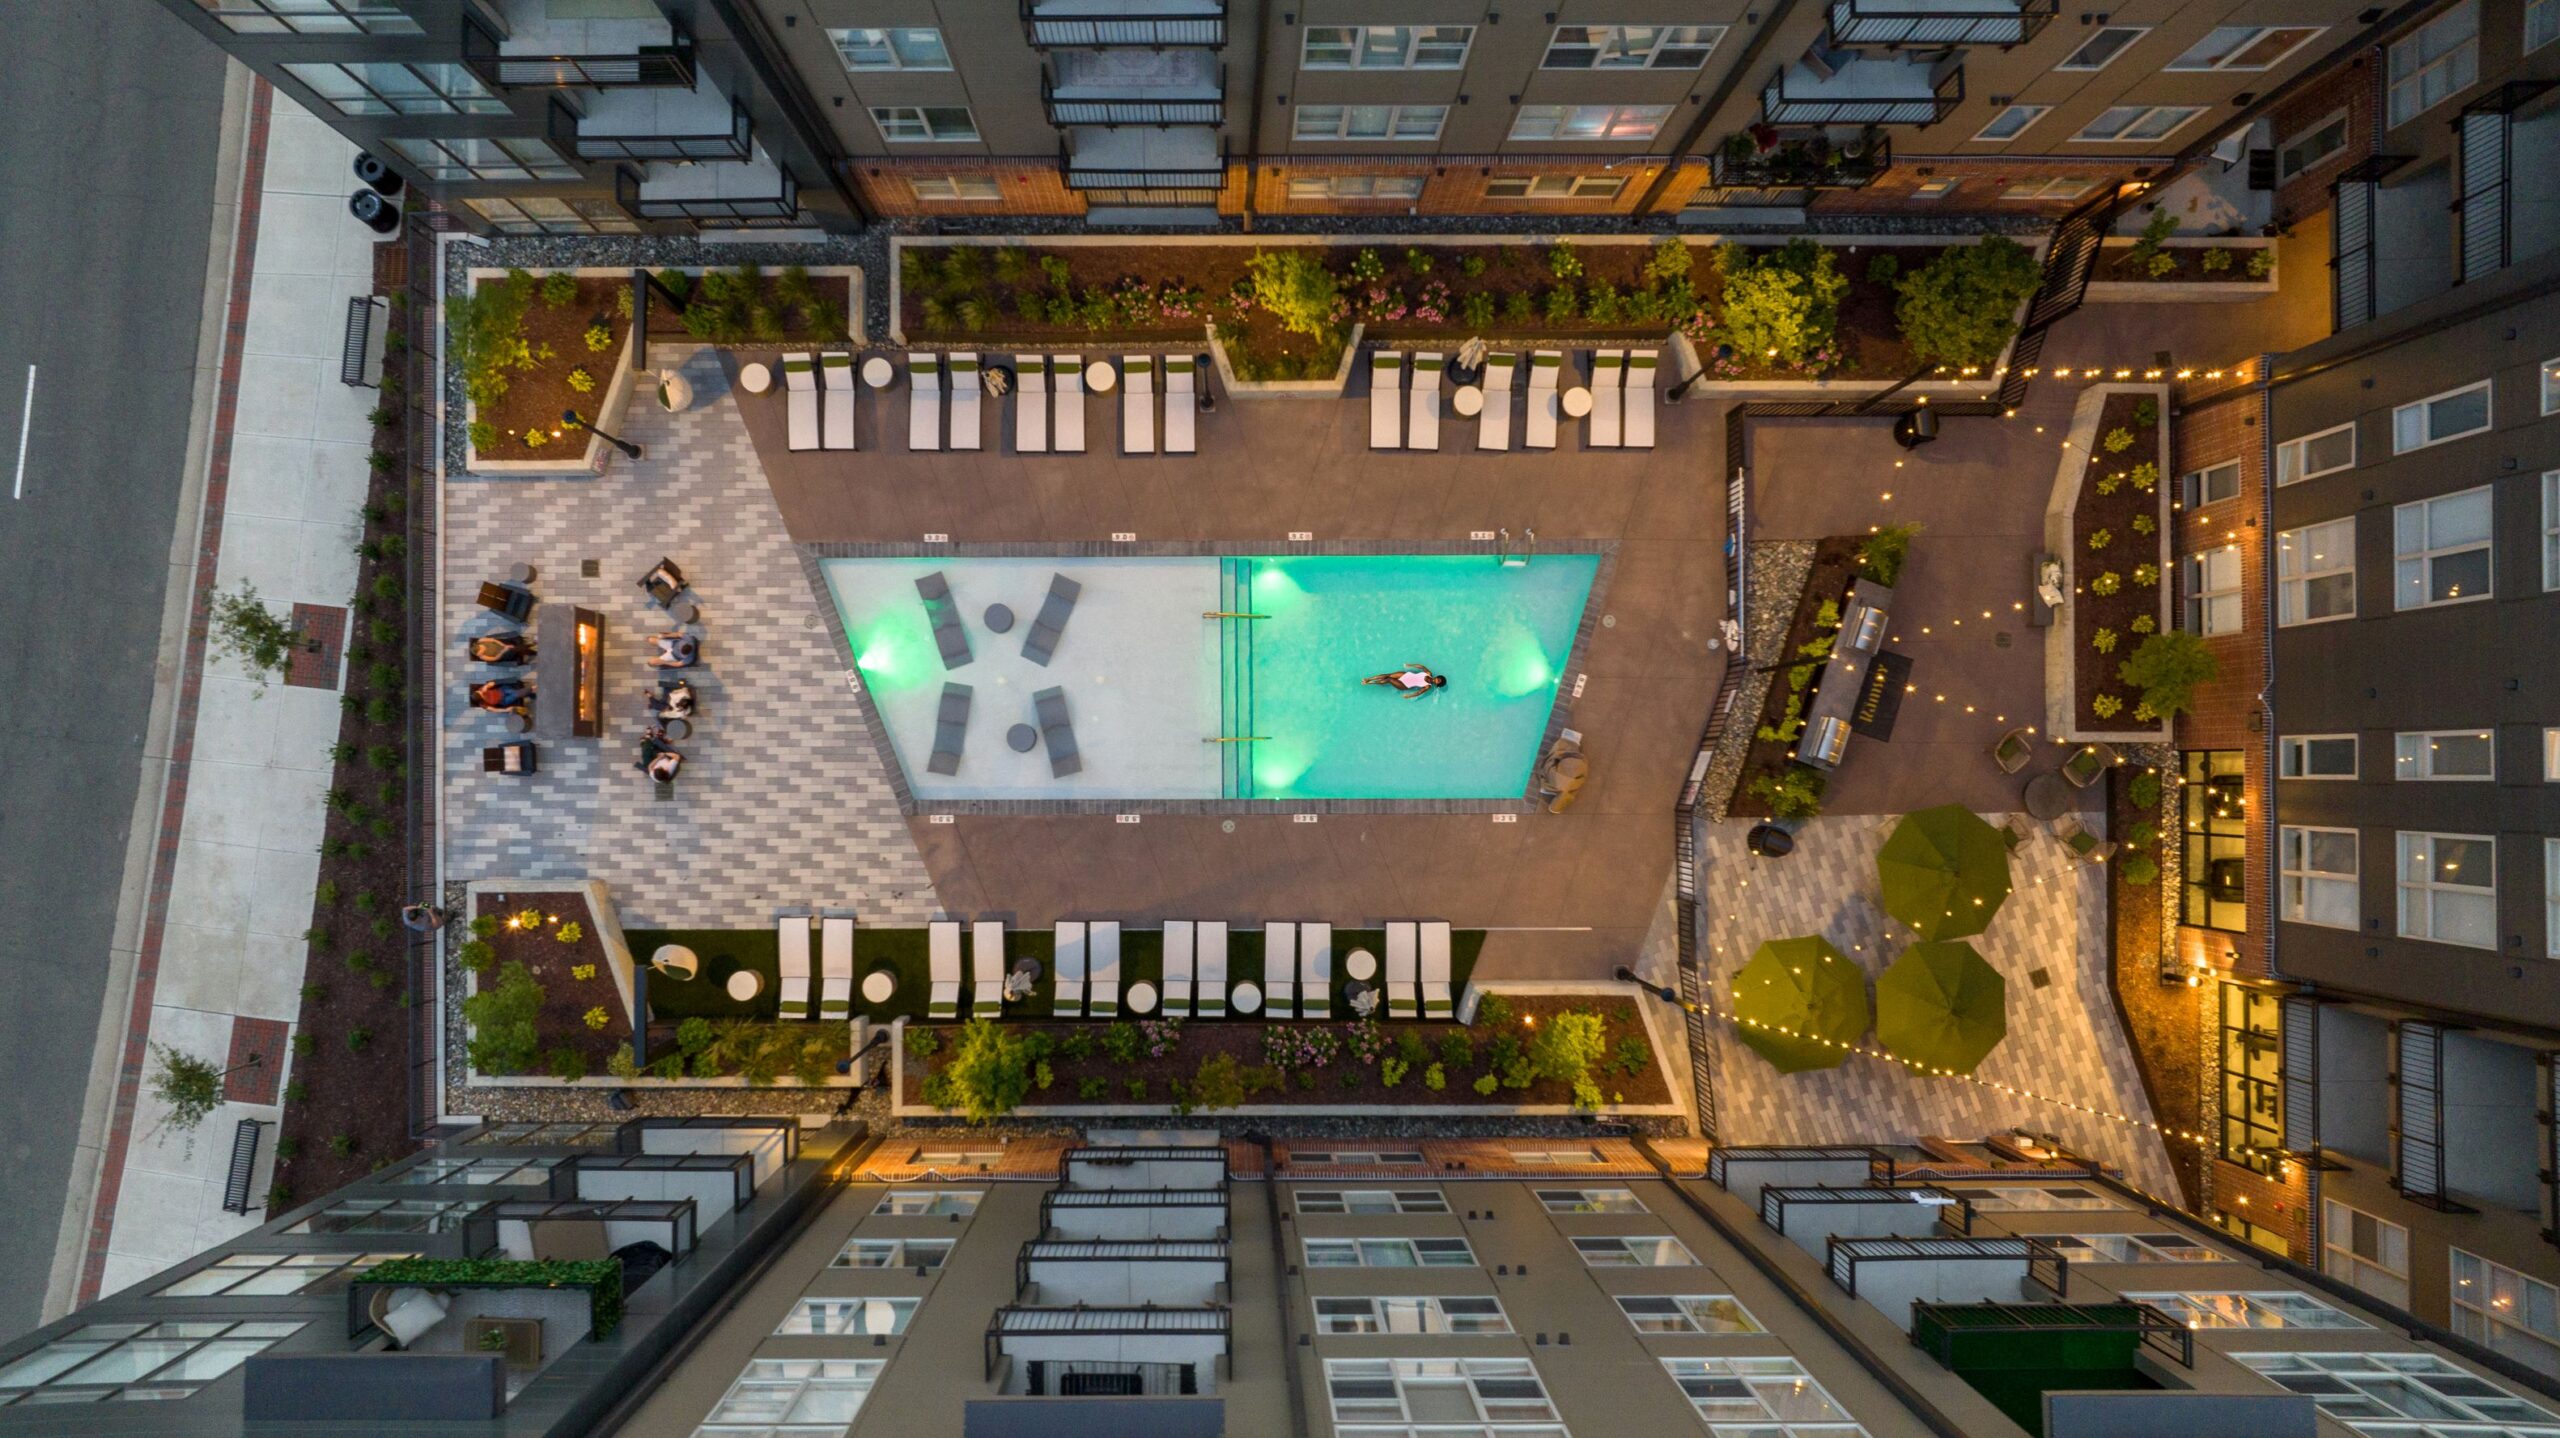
point(1096, 157)
point(1055, 24)
point(1768, 160)
point(1134, 87)
point(647, 124)
point(590, 54)
point(1938, 22)
point(1845, 89)
point(728, 192)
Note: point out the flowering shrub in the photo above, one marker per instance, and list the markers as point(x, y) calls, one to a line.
point(1299, 1047)
point(1367, 1042)
point(1159, 1036)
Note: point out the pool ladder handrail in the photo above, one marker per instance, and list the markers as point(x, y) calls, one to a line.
point(1509, 558)
point(1230, 614)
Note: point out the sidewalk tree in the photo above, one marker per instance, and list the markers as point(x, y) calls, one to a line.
point(247, 630)
point(1961, 308)
point(191, 1087)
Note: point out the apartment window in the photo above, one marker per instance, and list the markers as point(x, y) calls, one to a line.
point(1716, 1314)
point(2551, 386)
point(2224, 1309)
point(2440, 418)
point(1589, 122)
point(787, 1397)
point(490, 160)
point(387, 1215)
point(2058, 189)
point(2003, 1198)
point(2298, 155)
point(544, 1135)
point(1589, 1200)
point(244, 1275)
point(549, 215)
point(1355, 1157)
point(2444, 754)
point(2213, 840)
point(2440, 550)
point(955, 1157)
point(136, 1361)
point(1934, 189)
point(906, 48)
point(2103, 46)
point(925, 122)
point(2316, 573)
point(2212, 585)
point(1558, 1157)
point(1370, 122)
point(2514, 1313)
point(925, 1203)
point(1371, 1200)
point(2316, 756)
point(2244, 47)
point(2551, 529)
point(1465, 1317)
point(2541, 24)
point(2252, 1077)
point(2551, 898)
point(2132, 1248)
point(1759, 1398)
point(2010, 123)
point(833, 1317)
point(925, 1253)
point(312, 17)
point(2209, 486)
point(1386, 47)
point(1555, 187)
point(2353, 1387)
point(2314, 455)
point(1355, 187)
point(1389, 1253)
point(2366, 1252)
point(2430, 66)
point(1646, 1252)
point(1631, 47)
point(955, 187)
point(2449, 889)
point(2551, 756)
point(503, 1172)
point(2317, 876)
point(1456, 1397)
point(390, 88)
point(2137, 124)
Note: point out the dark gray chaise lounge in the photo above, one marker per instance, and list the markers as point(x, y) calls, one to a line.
point(950, 729)
point(1042, 641)
point(947, 633)
point(1051, 706)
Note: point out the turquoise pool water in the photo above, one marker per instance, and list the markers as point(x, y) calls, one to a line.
point(1501, 634)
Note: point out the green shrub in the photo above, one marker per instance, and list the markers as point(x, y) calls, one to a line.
point(1669, 261)
point(1121, 1044)
point(2262, 263)
point(342, 1144)
point(989, 1070)
point(2146, 248)
point(359, 1039)
point(1794, 792)
point(581, 381)
point(1295, 288)
point(2144, 790)
point(2167, 668)
point(1493, 1012)
point(600, 338)
point(1368, 267)
point(1781, 306)
point(502, 1017)
point(1563, 303)
point(2118, 440)
point(1137, 1088)
point(1566, 1049)
point(2144, 476)
point(2145, 524)
point(190, 1086)
point(1564, 262)
point(1518, 308)
point(1092, 1087)
point(243, 627)
point(1477, 309)
point(2146, 575)
point(484, 336)
point(2104, 641)
point(2107, 583)
point(2160, 266)
point(1633, 1056)
point(2140, 871)
point(1417, 260)
point(1961, 308)
point(2143, 624)
point(2106, 706)
point(1435, 1078)
point(2143, 834)
point(559, 289)
point(1485, 1084)
point(1880, 559)
point(1391, 1071)
point(1472, 266)
point(2102, 538)
point(1883, 269)
point(922, 1042)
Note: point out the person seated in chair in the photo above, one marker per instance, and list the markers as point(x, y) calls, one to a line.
point(663, 583)
point(676, 650)
point(673, 702)
point(658, 760)
point(501, 694)
point(508, 648)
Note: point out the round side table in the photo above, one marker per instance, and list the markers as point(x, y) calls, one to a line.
point(1142, 997)
point(878, 373)
point(745, 984)
point(999, 618)
point(1577, 402)
point(520, 575)
point(1467, 400)
point(1021, 738)
point(879, 986)
point(1360, 964)
point(1245, 998)
point(755, 379)
point(1100, 377)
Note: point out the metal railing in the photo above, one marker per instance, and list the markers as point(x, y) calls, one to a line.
point(1935, 1327)
point(658, 66)
point(1946, 91)
point(1162, 180)
point(1204, 26)
point(1943, 22)
point(783, 208)
point(736, 142)
point(1132, 109)
point(1806, 163)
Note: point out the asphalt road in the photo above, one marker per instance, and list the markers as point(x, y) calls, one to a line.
point(106, 195)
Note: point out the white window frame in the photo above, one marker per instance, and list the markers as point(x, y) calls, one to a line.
point(1574, 1156)
point(2541, 23)
point(885, 40)
point(2295, 878)
point(1478, 1315)
point(2550, 530)
point(1301, 128)
point(2414, 751)
point(263, 1275)
point(1690, 1314)
point(2141, 116)
point(955, 189)
point(886, 118)
point(2423, 412)
point(2209, 589)
point(2294, 577)
point(927, 1202)
point(849, 1317)
point(925, 1253)
point(2550, 376)
point(1357, 1157)
point(1405, 41)
point(1506, 1394)
point(1761, 1396)
point(1595, 1250)
point(2293, 456)
point(2287, 169)
point(1402, 189)
point(2034, 1198)
point(2418, 895)
point(2420, 581)
point(2196, 487)
point(2372, 1272)
point(2384, 1375)
point(1564, 130)
point(1934, 189)
point(2244, 1308)
point(1341, 1201)
point(2058, 188)
point(2138, 1248)
point(1590, 1200)
point(2481, 1313)
point(774, 1396)
point(1429, 1251)
point(2293, 756)
point(2551, 898)
point(2446, 47)
point(2248, 38)
point(1555, 187)
point(2026, 115)
point(2133, 35)
point(1610, 50)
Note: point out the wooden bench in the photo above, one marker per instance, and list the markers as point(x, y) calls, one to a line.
point(244, 1160)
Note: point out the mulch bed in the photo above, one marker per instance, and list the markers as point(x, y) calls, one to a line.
point(2118, 267)
point(2162, 1019)
point(1343, 1081)
point(536, 397)
point(565, 997)
point(1834, 568)
point(2095, 673)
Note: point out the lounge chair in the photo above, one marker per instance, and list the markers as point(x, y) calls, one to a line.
point(2088, 764)
point(1279, 971)
point(1386, 383)
point(967, 428)
point(1103, 966)
point(1057, 732)
point(1181, 404)
point(1031, 404)
point(1437, 1001)
point(924, 402)
point(2014, 751)
point(1546, 406)
point(791, 935)
point(516, 756)
point(1315, 970)
point(1608, 373)
point(949, 635)
point(1642, 366)
point(800, 400)
point(1067, 999)
point(2083, 844)
point(1181, 956)
point(508, 600)
point(1041, 644)
point(835, 969)
point(1493, 427)
point(942, 949)
point(950, 729)
point(1068, 373)
point(1212, 1001)
point(1138, 405)
point(1404, 996)
point(986, 968)
point(835, 388)
point(1422, 423)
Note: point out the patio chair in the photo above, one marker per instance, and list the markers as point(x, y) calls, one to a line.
point(507, 600)
point(1642, 365)
point(2076, 837)
point(2088, 764)
point(1031, 404)
point(1437, 1001)
point(942, 954)
point(1067, 999)
point(967, 428)
point(1279, 971)
point(1422, 422)
point(1138, 404)
point(800, 400)
point(791, 935)
point(835, 968)
point(948, 633)
point(2015, 831)
point(986, 968)
point(950, 729)
point(1041, 644)
point(835, 388)
point(1103, 970)
point(1546, 406)
point(924, 402)
point(2013, 751)
point(514, 757)
point(1315, 970)
point(1181, 404)
point(1608, 371)
point(663, 584)
point(1404, 996)
point(1181, 958)
point(1212, 1000)
point(1493, 426)
point(1068, 373)
point(1059, 734)
point(1386, 381)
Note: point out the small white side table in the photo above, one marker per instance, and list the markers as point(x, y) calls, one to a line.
point(1100, 377)
point(1142, 997)
point(755, 379)
point(1245, 998)
point(878, 373)
point(1360, 964)
point(878, 985)
point(745, 984)
point(1467, 400)
point(1577, 402)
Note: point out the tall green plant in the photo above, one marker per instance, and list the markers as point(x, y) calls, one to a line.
point(191, 1087)
point(501, 1015)
point(1881, 558)
point(1781, 306)
point(1961, 308)
point(245, 628)
point(1566, 1048)
point(2167, 668)
point(990, 1073)
point(484, 335)
point(1296, 289)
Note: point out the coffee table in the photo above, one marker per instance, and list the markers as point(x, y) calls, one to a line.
point(755, 379)
point(1467, 400)
point(878, 373)
point(1100, 377)
point(1577, 402)
point(879, 986)
point(2048, 796)
point(1142, 997)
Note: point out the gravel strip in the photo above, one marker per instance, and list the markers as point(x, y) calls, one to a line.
point(1778, 572)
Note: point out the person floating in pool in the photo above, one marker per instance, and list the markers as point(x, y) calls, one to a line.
point(1412, 681)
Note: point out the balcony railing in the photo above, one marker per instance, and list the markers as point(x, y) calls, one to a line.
point(1141, 177)
point(650, 65)
point(1938, 22)
point(776, 209)
point(1050, 25)
point(1133, 109)
point(1864, 92)
point(737, 142)
point(1802, 162)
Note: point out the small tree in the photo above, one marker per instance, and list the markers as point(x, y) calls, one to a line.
point(1961, 308)
point(1297, 290)
point(2167, 668)
point(502, 1016)
point(246, 629)
point(1794, 792)
point(1566, 1048)
point(1781, 306)
point(990, 1071)
point(1880, 558)
point(191, 1087)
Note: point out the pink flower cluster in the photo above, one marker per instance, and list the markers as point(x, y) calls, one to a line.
point(1299, 1048)
point(1160, 1036)
point(1368, 1042)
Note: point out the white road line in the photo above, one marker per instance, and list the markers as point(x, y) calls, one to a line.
point(26, 416)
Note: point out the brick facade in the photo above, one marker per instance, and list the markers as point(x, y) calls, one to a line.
point(2350, 88)
point(1980, 184)
point(1451, 185)
point(2281, 1204)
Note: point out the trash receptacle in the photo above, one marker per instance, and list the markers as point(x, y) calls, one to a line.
point(378, 214)
point(379, 177)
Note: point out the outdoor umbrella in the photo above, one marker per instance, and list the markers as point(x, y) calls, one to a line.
point(1944, 871)
point(1809, 990)
point(1939, 1006)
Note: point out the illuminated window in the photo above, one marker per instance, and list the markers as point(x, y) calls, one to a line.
point(2252, 1078)
point(1589, 1200)
point(2366, 1252)
point(1371, 1200)
point(2316, 756)
point(792, 1396)
point(2316, 573)
point(841, 1316)
point(1647, 1252)
point(2354, 1387)
point(2213, 825)
point(1386, 47)
point(1714, 1314)
point(2513, 1313)
point(1589, 122)
point(2444, 754)
point(1631, 47)
point(912, 48)
point(2224, 1309)
point(2317, 871)
point(1460, 1316)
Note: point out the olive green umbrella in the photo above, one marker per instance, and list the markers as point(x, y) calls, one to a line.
point(1793, 995)
point(1939, 1006)
point(1944, 871)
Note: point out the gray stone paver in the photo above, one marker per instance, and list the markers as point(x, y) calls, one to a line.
point(2064, 1040)
point(783, 800)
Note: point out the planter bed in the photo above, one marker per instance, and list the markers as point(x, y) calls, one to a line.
point(1834, 568)
point(2160, 1018)
point(566, 999)
point(535, 397)
point(2117, 264)
point(2093, 672)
